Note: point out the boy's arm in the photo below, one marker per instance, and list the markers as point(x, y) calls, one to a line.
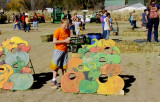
point(55, 41)
point(109, 24)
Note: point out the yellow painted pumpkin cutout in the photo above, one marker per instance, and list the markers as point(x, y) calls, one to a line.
point(113, 85)
point(71, 84)
point(5, 72)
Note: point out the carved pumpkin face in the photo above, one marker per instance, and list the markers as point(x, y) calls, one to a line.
point(71, 84)
point(111, 69)
point(114, 85)
point(5, 72)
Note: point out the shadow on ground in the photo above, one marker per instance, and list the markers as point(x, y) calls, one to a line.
point(128, 79)
point(41, 79)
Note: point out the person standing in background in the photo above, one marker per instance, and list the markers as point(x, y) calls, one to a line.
point(103, 23)
point(35, 21)
point(153, 19)
point(134, 18)
point(13, 17)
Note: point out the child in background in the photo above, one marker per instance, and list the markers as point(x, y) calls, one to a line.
point(60, 56)
point(77, 25)
point(27, 23)
point(107, 27)
point(16, 23)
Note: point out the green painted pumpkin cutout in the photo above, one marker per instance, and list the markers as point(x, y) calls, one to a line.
point(21, 81)
point(20, 64)
point(12, 57)
point(82, 51)
point(94, 74)
point(116, 50)
point(87, 86)
point(101, 59)
point(5, 72)
point(71, 84)
point(113, 59)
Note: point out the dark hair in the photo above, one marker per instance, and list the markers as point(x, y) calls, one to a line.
point(108, 14)
point(145, 10)
point(68, 11)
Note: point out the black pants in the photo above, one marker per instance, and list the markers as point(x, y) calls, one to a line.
point(152, 22)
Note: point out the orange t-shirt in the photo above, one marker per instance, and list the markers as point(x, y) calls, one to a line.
point(61, 34)
point(27, 20)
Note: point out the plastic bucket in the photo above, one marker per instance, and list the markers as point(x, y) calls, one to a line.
point(94, 36)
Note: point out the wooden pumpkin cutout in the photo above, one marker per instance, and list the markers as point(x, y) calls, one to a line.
point(5, 72)
point(20, 64)
point(115, 50)
point(87, 86)
point(8, 85)
point(113, 59)
point(21, 81)
point(12, 57)
point(71, 85)
point(6, 42)
point(101, 59)
point(23, 47)
point(111, 70)
point(11, 46)
point(97, 50)
point(86, 67)
point(18, 40)
point(25, 70)
point(74, 63)
point(114, 85)
point(76, 55)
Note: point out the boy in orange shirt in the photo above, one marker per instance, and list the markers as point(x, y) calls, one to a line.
point(60, 57)
point(27, 23)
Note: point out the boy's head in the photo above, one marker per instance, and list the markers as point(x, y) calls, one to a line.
point(65, 23)
point(108, 15)
point(145, 10)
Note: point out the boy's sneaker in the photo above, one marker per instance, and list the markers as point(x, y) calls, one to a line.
point(55, 83)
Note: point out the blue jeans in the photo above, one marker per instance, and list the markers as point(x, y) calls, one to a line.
point(27, 27)
point(35, 23)
point(17, 26)
point(19, 23)
point(152, 22)
point(106, 34)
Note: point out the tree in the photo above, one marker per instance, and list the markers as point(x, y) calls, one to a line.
point(3, 3)
point(15, 5)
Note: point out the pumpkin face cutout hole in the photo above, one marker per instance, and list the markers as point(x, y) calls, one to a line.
point(88, 54)
point(102, 60)
point(108, 50)
point(80, 67)
point(103, 78)
point(72, 76)
point(16, 66)
point(14, 50)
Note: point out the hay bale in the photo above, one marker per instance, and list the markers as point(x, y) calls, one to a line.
point(47, 37)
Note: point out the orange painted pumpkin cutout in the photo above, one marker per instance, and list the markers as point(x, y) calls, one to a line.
point(8, 85)
point(10, 46)
point(97, 49)
point(23, 47)
point(113, 86)
point(111, 69)
point(71, 84)
point(76, 55)
point(25, 70)
point(74, 63)
point(5, 72)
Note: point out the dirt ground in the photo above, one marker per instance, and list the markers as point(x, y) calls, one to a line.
point(140, 70)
